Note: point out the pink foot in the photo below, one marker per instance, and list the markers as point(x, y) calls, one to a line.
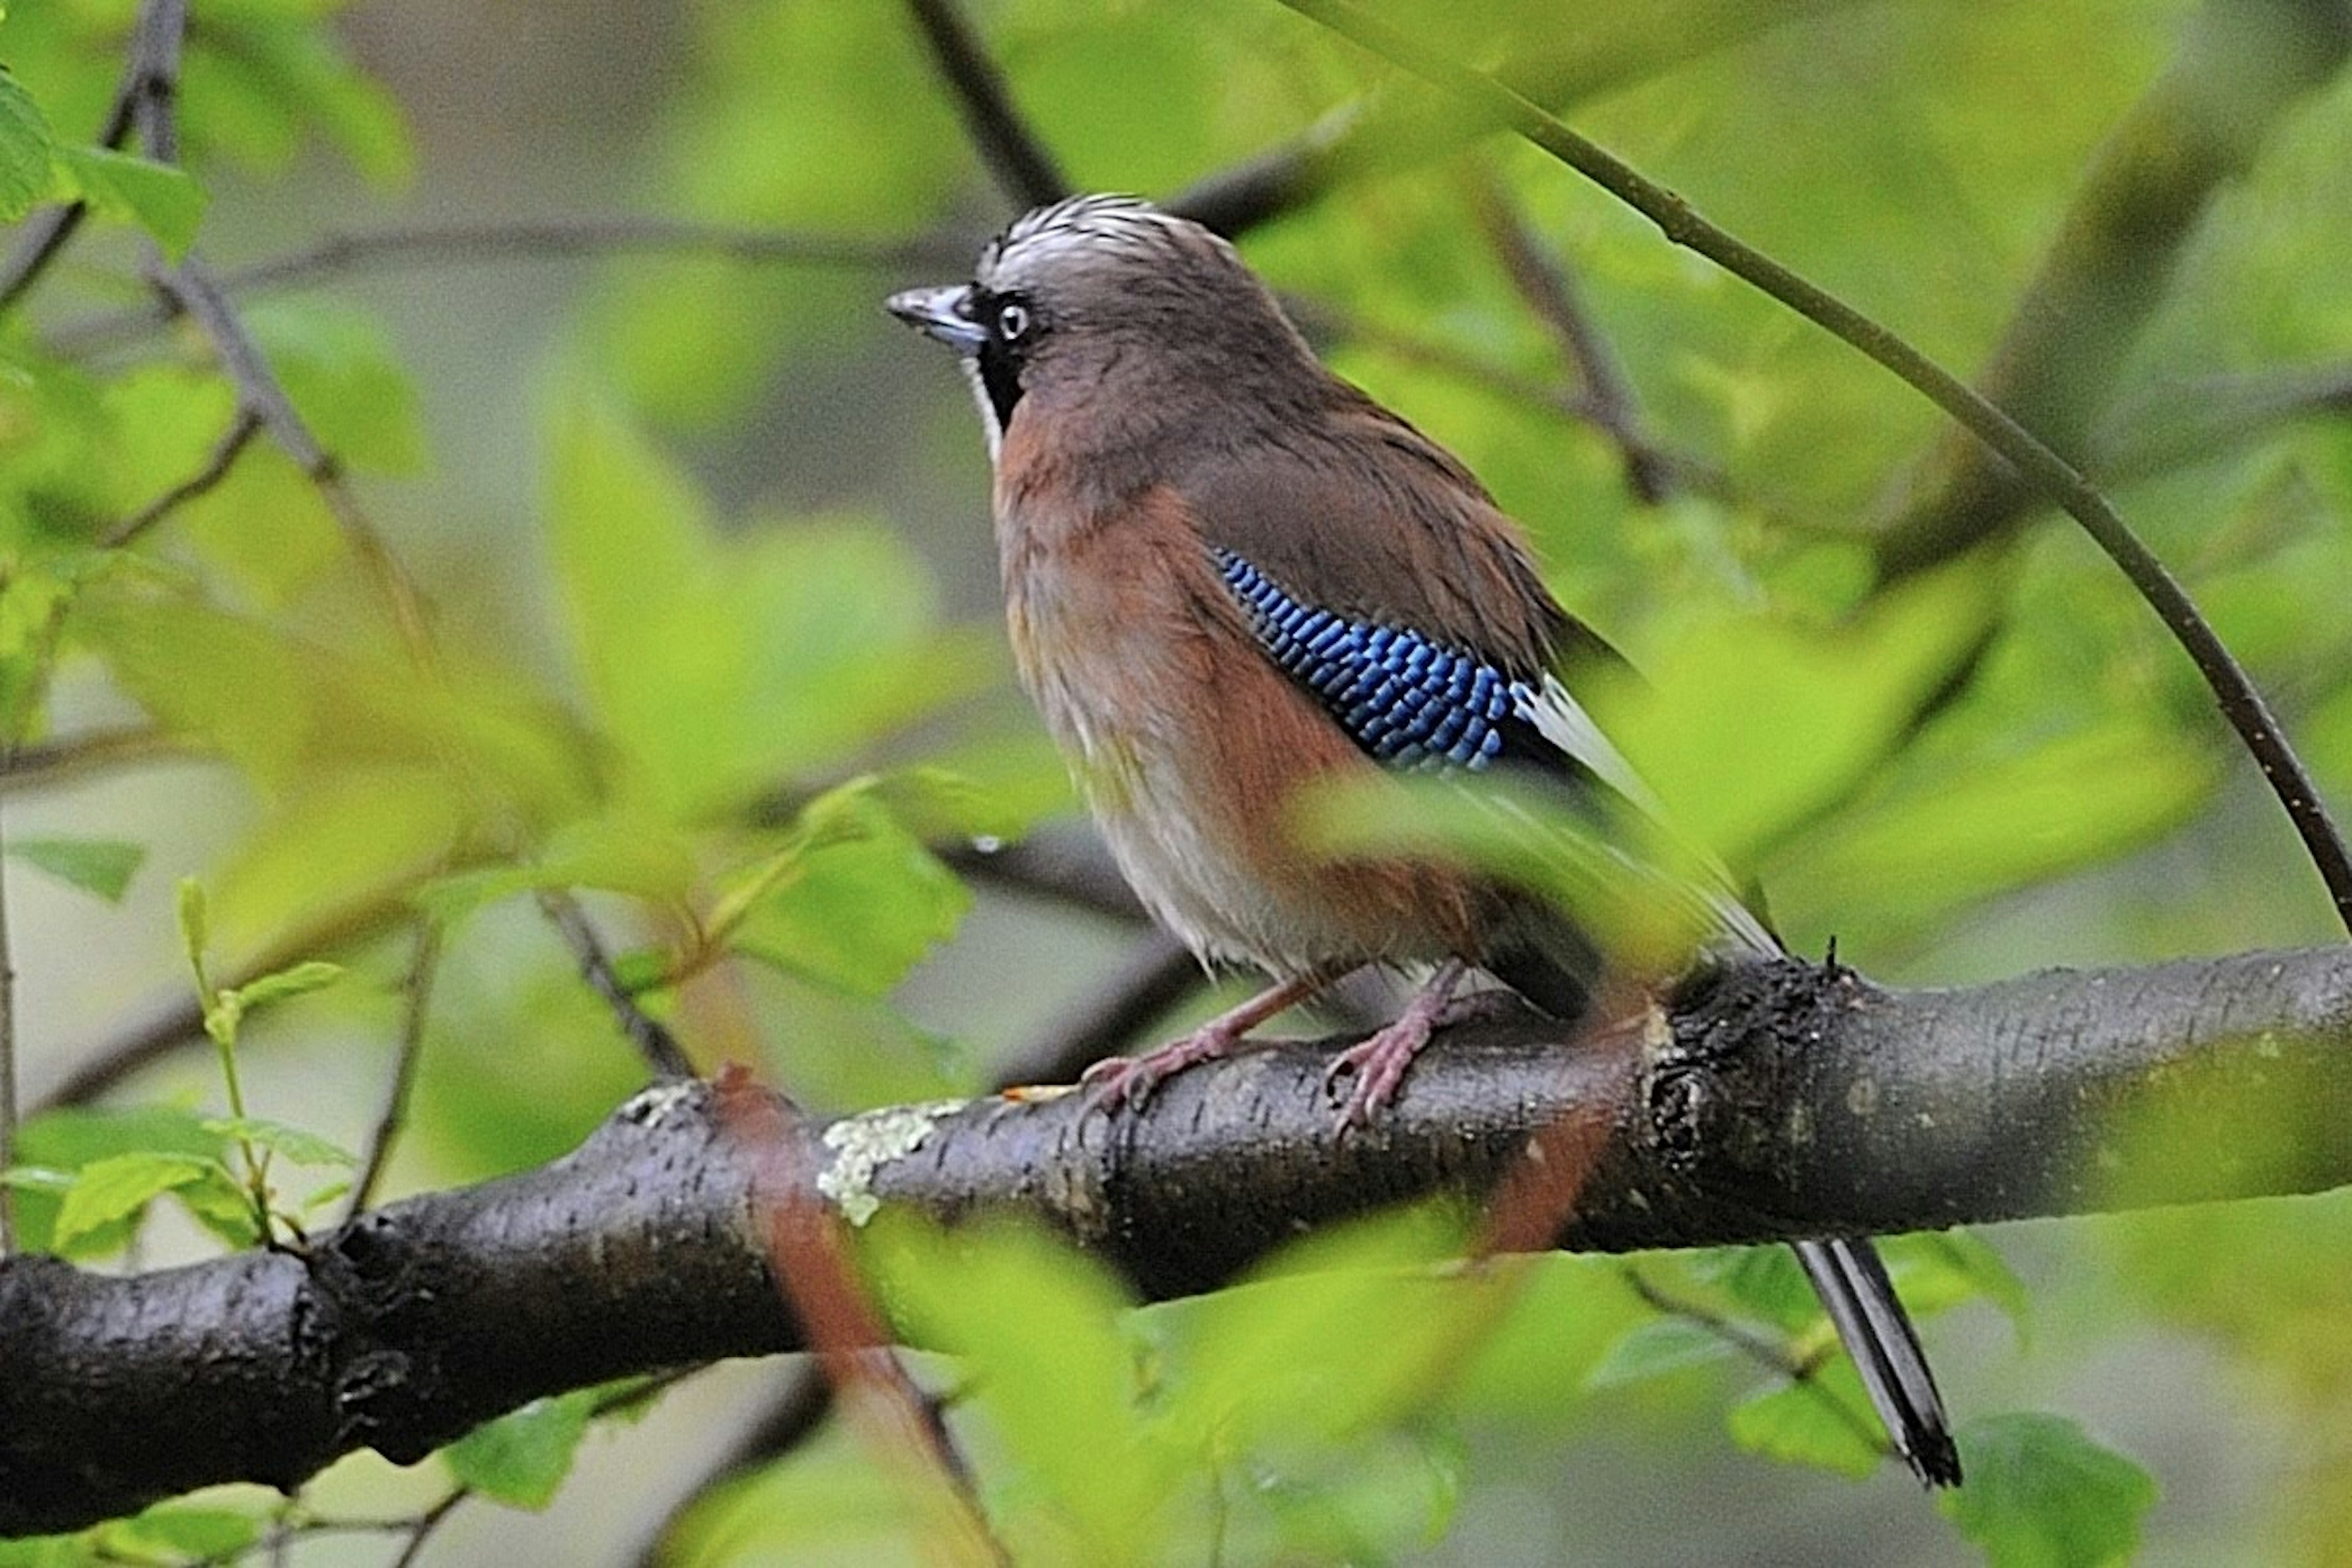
point(1381, 1061)
point(1117, 1083)
point(1124, 1083)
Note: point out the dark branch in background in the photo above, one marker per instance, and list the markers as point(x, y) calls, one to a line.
point(1551, 294)
point(342, 254)
point(1025, 168)
point(2178, 424)
point(55, 762)
point(2049, 474)
point(1387, 132)
point(142, 97)
point(2057, 1093)
point(2242, 66)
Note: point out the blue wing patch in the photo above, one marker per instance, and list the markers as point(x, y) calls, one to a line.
point(1408, 700)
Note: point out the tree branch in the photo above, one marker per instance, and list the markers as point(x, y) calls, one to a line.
point(2048, 473)
point(1023, 166)
point(1769, 1101)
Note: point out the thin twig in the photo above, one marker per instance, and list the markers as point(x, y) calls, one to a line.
point(426, 1523)
point(1158, 973)
point(347, 254)
point(149, 82)
point(1802, 1371)
point(193, 289)
point(1551, 293)
point(416, 993)
point(233, 441)
point(2233, 690)
point(648, 1033)
point(1022, 166)
point(59, 762)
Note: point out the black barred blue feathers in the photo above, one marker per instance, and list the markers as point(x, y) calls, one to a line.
point(1407, 700)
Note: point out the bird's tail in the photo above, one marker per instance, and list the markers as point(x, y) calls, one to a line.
point(1852, 1284)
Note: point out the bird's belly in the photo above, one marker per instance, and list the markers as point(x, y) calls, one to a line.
point(1194, 793)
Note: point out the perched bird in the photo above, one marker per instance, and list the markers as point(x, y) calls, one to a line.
point(1233, 578)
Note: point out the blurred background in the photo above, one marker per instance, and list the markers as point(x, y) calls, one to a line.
point(706, 538)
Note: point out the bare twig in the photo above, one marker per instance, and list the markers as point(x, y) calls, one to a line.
point(417, 994)
point(1021, 164)
point(57, 762)
point(342, 255)
point(426, 1523)
point(1551, 293)
point(1769, 1353)
point(142, 97)
point(652, 1038)
point(192, 287)
point(241, 431)
point(2050, 474)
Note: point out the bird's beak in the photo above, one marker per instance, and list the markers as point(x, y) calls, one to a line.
point(944, 313)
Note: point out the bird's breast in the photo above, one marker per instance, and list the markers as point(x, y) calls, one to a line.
point(1195, 753)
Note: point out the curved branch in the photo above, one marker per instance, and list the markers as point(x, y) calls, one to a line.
point(1773, 1101)
point(2244, 65)
point(2044, 470)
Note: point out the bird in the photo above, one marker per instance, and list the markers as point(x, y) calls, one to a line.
point(1231, 579)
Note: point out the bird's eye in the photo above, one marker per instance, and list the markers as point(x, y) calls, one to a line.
point(1011, 320)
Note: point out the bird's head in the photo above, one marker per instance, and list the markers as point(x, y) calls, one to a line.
point(1109, 307)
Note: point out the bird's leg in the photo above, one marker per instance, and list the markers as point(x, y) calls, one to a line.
point(1379, 1061)
point(1116, 1082)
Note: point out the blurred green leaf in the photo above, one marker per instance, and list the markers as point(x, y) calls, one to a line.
point(1040, 1331)
point(118, 1186)
point(852, 898)
point(523, 1458)
point(2042, 1494)
point(723, 666)
point(1657, 1348)
point(1946, 840)
point(100, 867)
point(1824, 1421)
point(181, 1531)
point(338, 367)
point(162, 200)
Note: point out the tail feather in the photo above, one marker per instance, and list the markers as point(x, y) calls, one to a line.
point(1877, 1333)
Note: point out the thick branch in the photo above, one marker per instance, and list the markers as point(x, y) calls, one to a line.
point(1781, 1099)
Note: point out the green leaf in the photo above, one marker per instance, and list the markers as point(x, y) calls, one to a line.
point(853, 900)
point(1937, 1269)
point(1044, 1332)
point(28, 151)
point(30, 603)
point(181, 1531)
point(1824, 1421)
point(721, 666)
point(313, 975)
point(100, 867)
point(117, 1187)
point(523, 1458)
point(1658, 1347)
point(2042, 1494)
point(302, 1148)
point(162, 200)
